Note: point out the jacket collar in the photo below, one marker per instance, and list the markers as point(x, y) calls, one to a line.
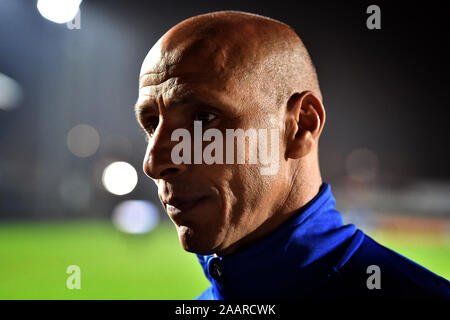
point(293, 259)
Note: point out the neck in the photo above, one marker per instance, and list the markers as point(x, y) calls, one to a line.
point(306, 182)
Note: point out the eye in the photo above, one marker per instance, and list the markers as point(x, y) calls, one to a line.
point(151, 124)
point(204, 116)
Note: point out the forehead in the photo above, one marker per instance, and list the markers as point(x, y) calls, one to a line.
point(176, 87)
point(151, 98)
point(181, 74)
point(197, 57)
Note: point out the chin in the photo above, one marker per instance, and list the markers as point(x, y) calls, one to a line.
point(195, 242)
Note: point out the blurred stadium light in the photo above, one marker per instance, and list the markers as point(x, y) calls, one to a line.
point(119, 178)
point(10, 93)
point(83, 140)
point(135, 216)
point(59, 11)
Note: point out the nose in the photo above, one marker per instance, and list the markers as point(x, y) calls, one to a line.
point(158, 162)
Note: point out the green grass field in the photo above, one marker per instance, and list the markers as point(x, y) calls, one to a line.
point(34, 258)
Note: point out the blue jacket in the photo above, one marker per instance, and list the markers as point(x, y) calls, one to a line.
point(314, 255)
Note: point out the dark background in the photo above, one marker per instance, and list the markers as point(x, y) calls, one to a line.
point(384, 90)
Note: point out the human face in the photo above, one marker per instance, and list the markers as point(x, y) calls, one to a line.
point(214, 206)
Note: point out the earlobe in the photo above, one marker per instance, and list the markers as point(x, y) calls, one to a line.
point(305, 120)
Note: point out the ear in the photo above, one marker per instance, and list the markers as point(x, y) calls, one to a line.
point(305, 118)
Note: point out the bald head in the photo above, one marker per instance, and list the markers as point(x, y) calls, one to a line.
point(258, 53)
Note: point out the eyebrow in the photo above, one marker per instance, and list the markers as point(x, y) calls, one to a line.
point(187, 99)
point(141, 108)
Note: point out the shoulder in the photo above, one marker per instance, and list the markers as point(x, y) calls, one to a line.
point(370, 269)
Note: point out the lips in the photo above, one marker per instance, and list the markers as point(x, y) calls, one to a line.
point(178, 205)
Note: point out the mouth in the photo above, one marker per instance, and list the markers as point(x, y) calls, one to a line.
point(178, 206)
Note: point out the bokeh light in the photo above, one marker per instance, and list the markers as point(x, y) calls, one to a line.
point(83, 140)
point(135, 216)
point(59, 11)
point(119, 178)
point(10, 93)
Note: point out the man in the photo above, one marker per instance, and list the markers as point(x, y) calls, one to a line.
point(257, 236)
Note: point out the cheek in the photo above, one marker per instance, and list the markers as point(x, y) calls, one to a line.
point(223, 176)
point(215, 212)
point(245, 188)
point(256, 198)
point(218, 212)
